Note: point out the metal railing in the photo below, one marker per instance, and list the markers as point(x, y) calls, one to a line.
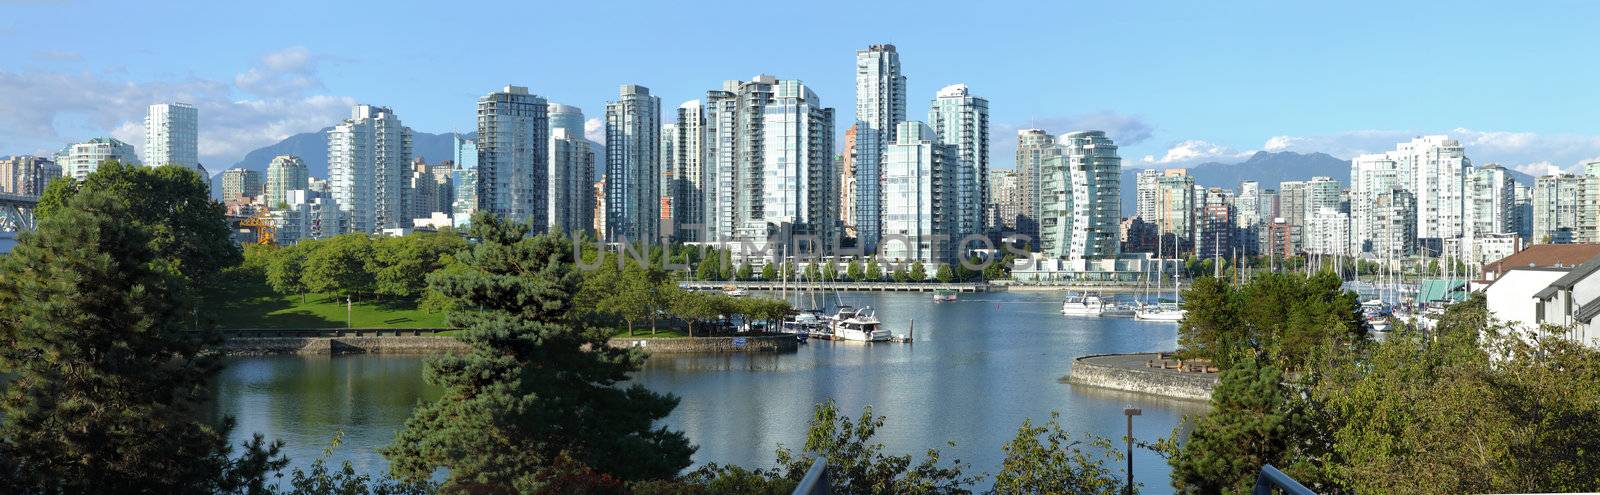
point(816, 481)
point(1271, 479)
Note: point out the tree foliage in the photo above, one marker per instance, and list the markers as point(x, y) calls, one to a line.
point(1289, 320)
point(859, 466)
point(1254, 420)
point(537, 396)
point(1057, 463)
point(108, 379)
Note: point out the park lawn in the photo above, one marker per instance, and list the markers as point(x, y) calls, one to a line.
point(252, 304)
point(662, 332)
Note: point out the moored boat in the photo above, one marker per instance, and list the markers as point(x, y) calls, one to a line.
point(1083, 304)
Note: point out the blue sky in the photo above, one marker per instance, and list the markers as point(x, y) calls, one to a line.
point(1175, 83)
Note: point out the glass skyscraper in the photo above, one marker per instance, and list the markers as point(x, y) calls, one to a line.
point(513, 156)
point(880, 106)
point(633, 140)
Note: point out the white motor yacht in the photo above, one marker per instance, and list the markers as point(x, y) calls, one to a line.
point(1083, 305)
point(860, 325)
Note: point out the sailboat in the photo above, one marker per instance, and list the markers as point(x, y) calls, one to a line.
point(1163, 311)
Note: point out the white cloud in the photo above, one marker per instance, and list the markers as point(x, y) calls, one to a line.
point(45, 111)
point(595, 130)
point(1518, 150)
point(1194, 152)
point(1537, 169)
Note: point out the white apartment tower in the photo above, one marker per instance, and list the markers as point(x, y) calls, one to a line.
point(918, 196)
point(1081, 208)
point(1433, 169)
point(369, 158)
point(632, 199)
point(880, 107)
point(962, 120)
point(1033, 146)
point(81, 159)
point(171, 135)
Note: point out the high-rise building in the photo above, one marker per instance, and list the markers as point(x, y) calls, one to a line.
point(239, 184)
point(1556, 206)
point(81, 159)
point(918, 196)
point(961, 119)
point(1033, 146)
point(369, 157)
point(566, 117)
point(1523, 217)
point(571, 183)
point(666, 180)
point(1176, 206)
point(27, 175)
point(1394, 224)
point(171, 135)
point(285, 173)
point(513, 156)
point(1081, 212)
point(720, 169)
point(880, 107)
point(633, 201)
point(464, 177)
point(1491, 203)
point(1247, 208)
point(847, 184)
point(1327, 232)
point(689, 160)
point(1145, 193)
point(1005, 187)
point(428, 190)
point(1433, 168)
point(1214, 223)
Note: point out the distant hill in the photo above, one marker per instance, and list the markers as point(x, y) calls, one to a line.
point(1269, 169)
point(312, 148)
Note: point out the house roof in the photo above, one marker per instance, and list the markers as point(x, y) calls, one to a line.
point(1570, 279)
point(1544, 256)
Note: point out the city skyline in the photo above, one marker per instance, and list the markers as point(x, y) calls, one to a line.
point(1170, 94)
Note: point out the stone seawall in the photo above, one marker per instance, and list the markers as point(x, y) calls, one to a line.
point(264, 346)
point(763, 343)
point(1127, 372)
point(261, 346)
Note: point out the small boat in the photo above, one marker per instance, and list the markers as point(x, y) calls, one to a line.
point(861, 325)
point(944, 295)
point(1166, 311)
point(736, 292)
point(1377, 314)
point(802, 323)
point(1083, 305)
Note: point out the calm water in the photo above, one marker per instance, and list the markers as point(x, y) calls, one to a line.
point(978, 368)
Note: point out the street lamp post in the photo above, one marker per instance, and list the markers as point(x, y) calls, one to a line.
point(1130, 413)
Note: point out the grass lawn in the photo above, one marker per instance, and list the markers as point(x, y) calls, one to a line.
point(662, 332)
point(251, 304)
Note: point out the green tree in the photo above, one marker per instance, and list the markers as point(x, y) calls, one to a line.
point(919, 273)
point(1254, 420)
point(769, 272)
point(401, 264)
point(857, 272)
point(536, 395)
point(830, 271)
point(900, 275)
point(1058, 464)
point(813, 272)
point(709, 268)
point(694, 307)
point(107, 378)
point(873, 273)
point(172, 203)
point(1210, 324)
point(745, 272)
point(945, 274)
point(286, 267)
point(859, 467)
point(340, 265)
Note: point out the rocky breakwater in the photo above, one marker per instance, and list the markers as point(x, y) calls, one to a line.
point(1146, 373)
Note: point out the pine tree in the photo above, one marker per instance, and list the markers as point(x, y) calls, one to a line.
point(536, 396)
point(1254, 420)
point(98, 331)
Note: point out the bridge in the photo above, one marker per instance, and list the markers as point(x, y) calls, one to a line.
point(16, 212)
point(838, 286)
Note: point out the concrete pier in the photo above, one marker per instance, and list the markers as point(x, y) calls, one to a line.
point(1133, 373)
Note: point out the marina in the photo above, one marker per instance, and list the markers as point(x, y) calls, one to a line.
point(978, 367)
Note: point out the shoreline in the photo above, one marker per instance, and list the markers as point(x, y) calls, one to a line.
point(434, 344)
point(1131, 373)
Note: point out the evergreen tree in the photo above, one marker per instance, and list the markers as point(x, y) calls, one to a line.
point(536, 397)
point(1254, 420)
point(99, 336)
